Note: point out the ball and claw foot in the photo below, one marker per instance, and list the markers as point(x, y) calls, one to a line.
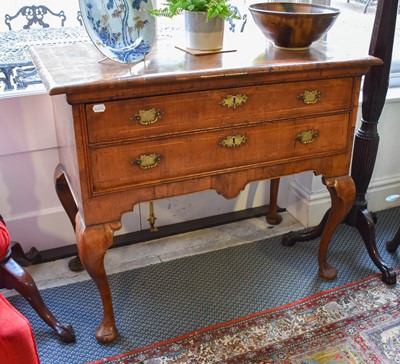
point(65, 332)
point(292, 237)
point(394, 243)
point(288, 239)
point(391, 246)
point(388, 275)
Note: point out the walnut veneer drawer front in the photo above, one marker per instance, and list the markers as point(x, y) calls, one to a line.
point(163, 115)
point(199, 154)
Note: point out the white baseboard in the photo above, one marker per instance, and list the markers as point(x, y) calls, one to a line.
point(307, 207)
point(310, 208)
point(50, 228)
point(379, 190)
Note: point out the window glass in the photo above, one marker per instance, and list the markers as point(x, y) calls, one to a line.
point(356, 20)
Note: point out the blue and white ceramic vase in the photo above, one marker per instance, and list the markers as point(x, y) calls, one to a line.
point(123, 30)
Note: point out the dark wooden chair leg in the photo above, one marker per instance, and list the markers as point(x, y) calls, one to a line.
point(366, 227)
point(393, 244)
point(22, 258)
point(13, 276)
point(68, 202)
point(17, 253)
point(293, 237)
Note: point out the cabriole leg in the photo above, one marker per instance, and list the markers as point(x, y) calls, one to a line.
point(342, 191)
point(93, 242)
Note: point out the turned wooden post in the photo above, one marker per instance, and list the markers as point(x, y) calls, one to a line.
point(367, 138)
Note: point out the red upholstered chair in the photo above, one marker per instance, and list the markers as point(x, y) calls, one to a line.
point(16, 338)
point(17, 344)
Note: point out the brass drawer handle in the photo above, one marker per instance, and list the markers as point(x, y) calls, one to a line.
point(147, 161)
point(147, 117)
point(234, 101)
point(310, 97)
point(307, 136)
point(233, 141)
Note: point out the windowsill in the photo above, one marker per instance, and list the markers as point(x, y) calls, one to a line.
point(393, 94)
point(32, 90)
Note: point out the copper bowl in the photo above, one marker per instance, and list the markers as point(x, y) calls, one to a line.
point(293, 25)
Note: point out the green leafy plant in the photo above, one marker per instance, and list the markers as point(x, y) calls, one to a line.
point(213, 8)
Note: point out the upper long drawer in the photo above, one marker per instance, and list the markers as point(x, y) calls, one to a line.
point(164, 115)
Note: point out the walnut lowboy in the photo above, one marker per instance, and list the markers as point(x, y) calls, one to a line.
point(176, 124)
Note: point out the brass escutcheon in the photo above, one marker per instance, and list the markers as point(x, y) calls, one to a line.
point(310, 97)
point(147, 117)
point(307, 136)
point(233, 141)
point(147, 161)
point(234, 101)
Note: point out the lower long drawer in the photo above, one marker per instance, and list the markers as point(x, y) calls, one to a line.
point(147, 163)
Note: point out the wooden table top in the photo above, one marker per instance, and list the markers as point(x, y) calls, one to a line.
point(81, 68)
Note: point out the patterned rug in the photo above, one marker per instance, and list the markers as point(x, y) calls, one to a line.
point(357, 323)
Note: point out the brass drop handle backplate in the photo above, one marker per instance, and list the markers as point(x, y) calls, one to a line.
point(152, 218)
point(233, 141)
point(147, 117)
point(310, 97)
point(307, 136)
point(234, 101)
point(147, 161)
